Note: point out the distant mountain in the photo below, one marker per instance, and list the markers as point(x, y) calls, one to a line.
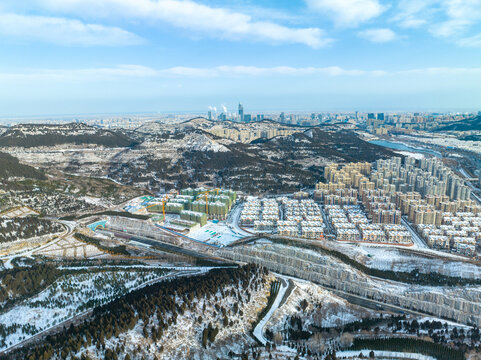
point(10, 167)
point(462, 125)
point(33, 135)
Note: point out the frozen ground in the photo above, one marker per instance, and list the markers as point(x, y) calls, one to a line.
point(69, 247)
point(219, 234)
point(323, 309)
point(182, 339)
point(417, 156)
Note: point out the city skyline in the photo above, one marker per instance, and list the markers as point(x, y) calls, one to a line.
point(71, 57)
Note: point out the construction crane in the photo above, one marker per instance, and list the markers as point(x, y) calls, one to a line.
point(163, 207)
point(206, 198)
point(206, 195)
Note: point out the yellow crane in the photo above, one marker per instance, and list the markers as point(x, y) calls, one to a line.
point(163, 207)
point(206, 198)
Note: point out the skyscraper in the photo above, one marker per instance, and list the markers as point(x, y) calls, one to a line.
point(241, 112)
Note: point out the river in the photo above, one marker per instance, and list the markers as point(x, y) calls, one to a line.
point(403, 147)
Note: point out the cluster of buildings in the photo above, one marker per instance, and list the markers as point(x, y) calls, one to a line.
point(262, 214)
point(458, 232)
point(427, 177)
point(246, 135)
point(301, 218)
point(289, 217)
point(350, 223)
point(426, 192)
point(382, 123)
point(379, 123)
point(195, 205)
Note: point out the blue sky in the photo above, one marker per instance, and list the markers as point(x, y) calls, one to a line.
point(108, 56)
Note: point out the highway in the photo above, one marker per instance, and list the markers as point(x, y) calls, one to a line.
point(165, 246)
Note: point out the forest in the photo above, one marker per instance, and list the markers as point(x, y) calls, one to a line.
point(20, 283)
point(164, 302)
point(26, 228)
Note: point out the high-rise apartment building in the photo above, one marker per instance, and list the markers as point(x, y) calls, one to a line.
point(241, 112)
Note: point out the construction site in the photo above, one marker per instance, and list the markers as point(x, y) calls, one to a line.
point(195, 214)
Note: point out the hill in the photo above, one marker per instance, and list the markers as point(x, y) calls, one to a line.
point(282, 164)
point(34, 135)
point(10, 167)
point(338, 145)
point(189, 155)
point(473, 124)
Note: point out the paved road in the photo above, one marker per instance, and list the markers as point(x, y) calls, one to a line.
point(27, 252)
point(259, 329)
point(416, 238)
point(167, 247)
point(326, 221)
point(233, 220)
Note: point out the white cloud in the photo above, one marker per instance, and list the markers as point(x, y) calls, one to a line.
point(414, 13)
point(378, 35)
point(461, 14)
point(449, 19)
point(473, 41)
point(137, 71)
point(192, 16)
point(436, 71)
point(348, 13)
point(63, 31)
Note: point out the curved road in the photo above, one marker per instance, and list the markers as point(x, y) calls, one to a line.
point(259, 329)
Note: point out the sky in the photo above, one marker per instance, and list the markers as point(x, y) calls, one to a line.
point(117, 56)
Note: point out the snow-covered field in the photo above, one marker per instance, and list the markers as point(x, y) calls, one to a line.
point(71, 248)
point(19, 212)
point(417, 156)
point(68, 297)
point(218, 234)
